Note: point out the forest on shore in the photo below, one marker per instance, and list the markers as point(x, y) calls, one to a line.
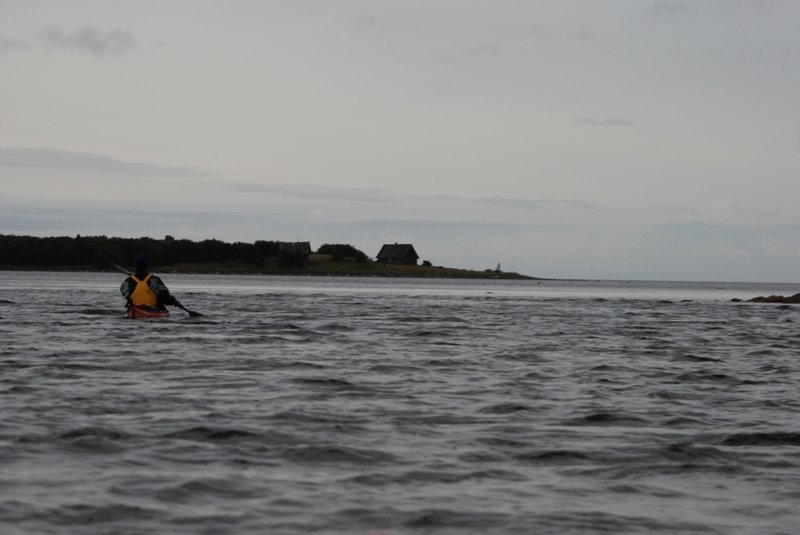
point(100, 253)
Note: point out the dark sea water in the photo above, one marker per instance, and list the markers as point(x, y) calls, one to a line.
point(387, 406)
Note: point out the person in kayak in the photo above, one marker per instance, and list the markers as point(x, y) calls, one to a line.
point(144, 289)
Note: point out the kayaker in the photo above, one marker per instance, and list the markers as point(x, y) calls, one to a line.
point(144, 289)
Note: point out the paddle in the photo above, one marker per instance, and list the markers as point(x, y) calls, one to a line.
point(192, 313)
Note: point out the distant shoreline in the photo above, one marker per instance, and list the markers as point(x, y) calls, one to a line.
point(329, 269)
point(212, 256)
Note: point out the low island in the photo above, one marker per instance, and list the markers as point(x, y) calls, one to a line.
point(171, 255)
point(791, 299)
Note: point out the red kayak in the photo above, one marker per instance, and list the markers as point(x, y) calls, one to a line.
point(143, 312)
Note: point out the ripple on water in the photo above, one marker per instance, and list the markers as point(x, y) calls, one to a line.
point(773, 438)
point(95, 440)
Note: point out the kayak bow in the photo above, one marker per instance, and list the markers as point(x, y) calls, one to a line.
point(140, 312)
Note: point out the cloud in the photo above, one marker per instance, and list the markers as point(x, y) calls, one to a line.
point(478, 52)
point(535, 205)
point(90, 40)
point(375, 195)
point(48, 219)
point(420, 226)
point(85, 162)
point(482, 51)
point(371, 23)
point(379, 24)
point(8, 45)
point(304, 191)
point(671, 8)
point(676, 8)
point(747, 6)
point(605, 121)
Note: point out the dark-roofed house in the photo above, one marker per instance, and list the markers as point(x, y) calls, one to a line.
point(294, 254)
point(399, 253)
point(297, 247)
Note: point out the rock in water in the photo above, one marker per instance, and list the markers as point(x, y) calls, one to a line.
point(777, 299)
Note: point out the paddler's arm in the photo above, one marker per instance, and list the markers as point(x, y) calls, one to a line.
point(161, 290)
point(126, 289)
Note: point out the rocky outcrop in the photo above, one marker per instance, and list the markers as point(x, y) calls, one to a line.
point(773, 299)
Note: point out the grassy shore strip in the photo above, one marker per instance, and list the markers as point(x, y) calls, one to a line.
point(347, 269)
point(331, 268)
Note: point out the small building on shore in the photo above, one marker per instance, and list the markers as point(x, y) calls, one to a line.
point(297, 247)
point(398, 254)
point(294, 254)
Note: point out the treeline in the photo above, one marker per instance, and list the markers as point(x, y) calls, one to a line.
point(99, 252)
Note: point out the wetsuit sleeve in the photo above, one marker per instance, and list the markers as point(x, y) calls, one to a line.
point(127, 288)
point(161, 290)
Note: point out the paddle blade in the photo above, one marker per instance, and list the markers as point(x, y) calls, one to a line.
point(192, 313)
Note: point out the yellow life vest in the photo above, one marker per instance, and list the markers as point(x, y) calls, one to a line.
point(142, 295)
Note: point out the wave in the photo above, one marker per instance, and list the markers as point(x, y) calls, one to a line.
point(87, 514)
point(607, 419)
point(208, 434)
point(95, 440)
point(774, 438)
point(338, 453)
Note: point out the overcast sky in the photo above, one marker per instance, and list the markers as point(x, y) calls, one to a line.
point(622, 139)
